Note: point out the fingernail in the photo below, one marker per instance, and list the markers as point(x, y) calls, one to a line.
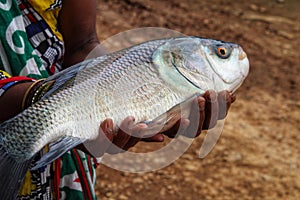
point(201, 105)
point(160, 138)
point(142, 125)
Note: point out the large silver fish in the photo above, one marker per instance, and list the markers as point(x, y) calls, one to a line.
point(144, 81)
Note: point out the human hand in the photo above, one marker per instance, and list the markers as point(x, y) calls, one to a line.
point(126, 137)
point(212, 106)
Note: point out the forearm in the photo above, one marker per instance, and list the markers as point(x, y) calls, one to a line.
point(77, 22)
point(11, 100)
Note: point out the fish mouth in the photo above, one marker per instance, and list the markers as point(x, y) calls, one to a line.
point(242, 54)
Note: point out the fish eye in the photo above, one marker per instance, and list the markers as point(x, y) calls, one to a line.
point(222, 52)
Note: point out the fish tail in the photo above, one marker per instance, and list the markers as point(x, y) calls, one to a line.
point(12, 174)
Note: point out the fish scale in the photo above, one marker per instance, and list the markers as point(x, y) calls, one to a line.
point(146, 81)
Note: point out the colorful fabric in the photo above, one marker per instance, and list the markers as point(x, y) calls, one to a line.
point(4, 75)
point(32, 46)
point(17, 54)
point(40, 18)
point(83, 181)
point(8, 82)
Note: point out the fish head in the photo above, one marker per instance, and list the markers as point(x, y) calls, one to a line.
point(206, 63)
point(228, 62)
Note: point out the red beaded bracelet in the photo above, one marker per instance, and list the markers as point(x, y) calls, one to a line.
point(15, 78)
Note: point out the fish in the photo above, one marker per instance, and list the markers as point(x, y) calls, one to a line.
point(144, 81)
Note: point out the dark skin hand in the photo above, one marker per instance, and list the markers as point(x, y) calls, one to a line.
point(212, 107)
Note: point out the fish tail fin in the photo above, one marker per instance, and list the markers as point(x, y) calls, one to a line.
point(12, 174)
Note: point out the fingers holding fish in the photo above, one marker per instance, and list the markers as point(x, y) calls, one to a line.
point(97, 147)
point(225, 99)
point(207, 110)
point(178, 128)
point(106, 133)
point(106, 127)
point(155, 138)
point(138, 130)
point(110, 142)
point(127, 135)
point(122, 136)
point(196, 117)
point(211, 109)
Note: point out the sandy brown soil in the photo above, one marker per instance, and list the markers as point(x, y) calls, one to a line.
point(258, 155)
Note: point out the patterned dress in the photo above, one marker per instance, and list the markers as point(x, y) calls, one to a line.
point(32, 46)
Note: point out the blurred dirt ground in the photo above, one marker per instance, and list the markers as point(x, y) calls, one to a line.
point(258, 155)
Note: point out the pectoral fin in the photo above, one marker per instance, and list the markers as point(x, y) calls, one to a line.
point(57, 149)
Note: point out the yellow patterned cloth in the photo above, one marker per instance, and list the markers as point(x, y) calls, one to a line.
point(49, 11)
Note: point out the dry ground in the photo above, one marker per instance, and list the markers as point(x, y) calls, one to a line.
point(258, 155)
